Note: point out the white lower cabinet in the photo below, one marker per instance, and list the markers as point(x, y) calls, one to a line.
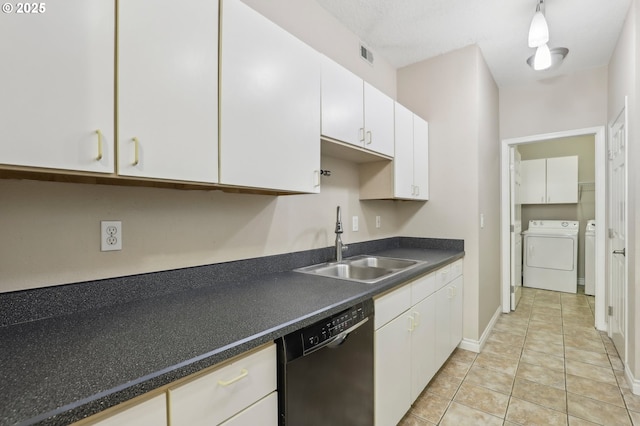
point(417, 327)
point(263, 412)
point(218, 395)
point(152, 412)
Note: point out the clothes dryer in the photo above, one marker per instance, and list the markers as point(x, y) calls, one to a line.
point(551, 255)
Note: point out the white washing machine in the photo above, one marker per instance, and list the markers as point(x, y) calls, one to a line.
point(551, 255)
point(590, 258)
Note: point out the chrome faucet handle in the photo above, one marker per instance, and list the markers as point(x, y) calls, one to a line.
point(339, 229)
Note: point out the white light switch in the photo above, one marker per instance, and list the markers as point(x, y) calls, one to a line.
point(481, 220)
point(354, 226)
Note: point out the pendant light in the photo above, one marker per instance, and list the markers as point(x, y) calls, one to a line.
point(542, 58)
point(539, 30)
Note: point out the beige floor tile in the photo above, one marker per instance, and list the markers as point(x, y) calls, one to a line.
point(616, 363)
point(576, 341)
point(595, 358)
point(482, 399)
point(621, 379)
point(444, 385)
point(459, 414)
point(589, 371)
point(511, 328)
point(576, 421)
point(411, 420)
point(545, 326)
point(632, 401)
point(490, 379)
point(596, 411)
point(635, 418)
point(455, 368)
point(542, 375)
point(546, 318)
point(584, 332)
point(547, 396)
point(610, 348)
point(551, 349)
point(503, 337)
point(545, 337)
point(545, 360)
point(497, 362)
point(595, 390)
point(463, 356)
point(505, 349)
point(430, 407)
point(545, 309)
point(526, 413)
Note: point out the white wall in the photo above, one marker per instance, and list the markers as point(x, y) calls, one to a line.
point(51, 230)
point(455, 92)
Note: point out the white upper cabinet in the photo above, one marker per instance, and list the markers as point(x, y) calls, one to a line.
point(56, 106)
point(269, 105)
point(411, 161)
point(549, 180)
point(168, 90)
point(355, 112)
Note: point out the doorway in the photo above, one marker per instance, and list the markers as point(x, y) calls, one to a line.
point(598, 134)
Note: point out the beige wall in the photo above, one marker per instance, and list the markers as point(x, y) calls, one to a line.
point(51, 230)
point(585, 209)
point(566, 102)
point(447, 91)
point(624, 80)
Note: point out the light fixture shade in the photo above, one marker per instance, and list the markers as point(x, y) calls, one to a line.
point(542, 58)
point(538, 31)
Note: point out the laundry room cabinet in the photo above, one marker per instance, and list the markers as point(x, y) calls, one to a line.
point(549, 180)
point(269, 104)
point(168, 90)
point(355, 112)
point(57, 74)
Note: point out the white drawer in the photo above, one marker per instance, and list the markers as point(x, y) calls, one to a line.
point(456, 269)
point(391, 305)
point(224, 392)
point(263, 413)
point(422, 288)
point(443, 276)
point(152, 412)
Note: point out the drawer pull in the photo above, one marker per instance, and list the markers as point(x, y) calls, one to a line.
point(411, 325)
point(136, 151)
point(243, 373)
point(99, 133)
point(416, 316)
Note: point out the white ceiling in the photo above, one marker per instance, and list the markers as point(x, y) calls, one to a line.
point(408, 31)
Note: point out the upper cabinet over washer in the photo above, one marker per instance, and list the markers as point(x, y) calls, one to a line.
point(168, 90)
point(355, 112)
point(57, 79)
point(269, 104)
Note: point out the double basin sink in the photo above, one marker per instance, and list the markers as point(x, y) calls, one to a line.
point(363, 268)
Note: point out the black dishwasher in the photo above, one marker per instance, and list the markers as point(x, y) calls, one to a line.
point(325, 371)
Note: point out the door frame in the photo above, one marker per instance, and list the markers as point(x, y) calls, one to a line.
point(599, 134)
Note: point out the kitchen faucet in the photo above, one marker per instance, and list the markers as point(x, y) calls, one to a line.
point(339, 246)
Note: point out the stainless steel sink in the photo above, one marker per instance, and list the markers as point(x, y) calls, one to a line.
point(365, 269)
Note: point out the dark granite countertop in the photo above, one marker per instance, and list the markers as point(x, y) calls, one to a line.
point(62, 368)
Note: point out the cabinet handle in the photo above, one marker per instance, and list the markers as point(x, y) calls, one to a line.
point(416, 316)
point(316, 178)
point(99, 133)
point(417, 190)
point(361, 134)
point(243, 373)
point(411, 327)
point(369, 137)
point(136, 151)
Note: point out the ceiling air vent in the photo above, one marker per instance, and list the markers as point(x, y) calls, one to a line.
point(366, 54)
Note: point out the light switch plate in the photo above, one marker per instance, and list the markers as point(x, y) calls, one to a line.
point(354, 222)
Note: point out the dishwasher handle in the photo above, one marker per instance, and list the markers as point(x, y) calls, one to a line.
point(338, 340)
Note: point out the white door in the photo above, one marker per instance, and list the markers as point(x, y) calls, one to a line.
point(617, 231)
point(516, 227)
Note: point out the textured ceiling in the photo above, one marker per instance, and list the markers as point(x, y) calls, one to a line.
point(408, 31)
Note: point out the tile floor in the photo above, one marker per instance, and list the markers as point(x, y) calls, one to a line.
point(544, 364)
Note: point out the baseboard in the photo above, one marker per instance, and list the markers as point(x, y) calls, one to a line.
point(632, 381)
point(477, 345)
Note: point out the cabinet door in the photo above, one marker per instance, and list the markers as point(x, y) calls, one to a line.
point(533, 188)
point(393, 370)
point(423, 345)
point(443, 325)
point(270, 104)
point(342, 104)
point(457, 299)
point(562, 180)
point(420, 158)
point(403, 160)
point(58, 84)
point(263, 413)
point(168, 90)
point(378, 121)
point(149, 413)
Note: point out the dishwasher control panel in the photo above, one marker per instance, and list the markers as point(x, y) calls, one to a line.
point(321, 333)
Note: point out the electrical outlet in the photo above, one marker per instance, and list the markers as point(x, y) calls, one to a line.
point(377, 221)
point(354, 223)
point(110, 235)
